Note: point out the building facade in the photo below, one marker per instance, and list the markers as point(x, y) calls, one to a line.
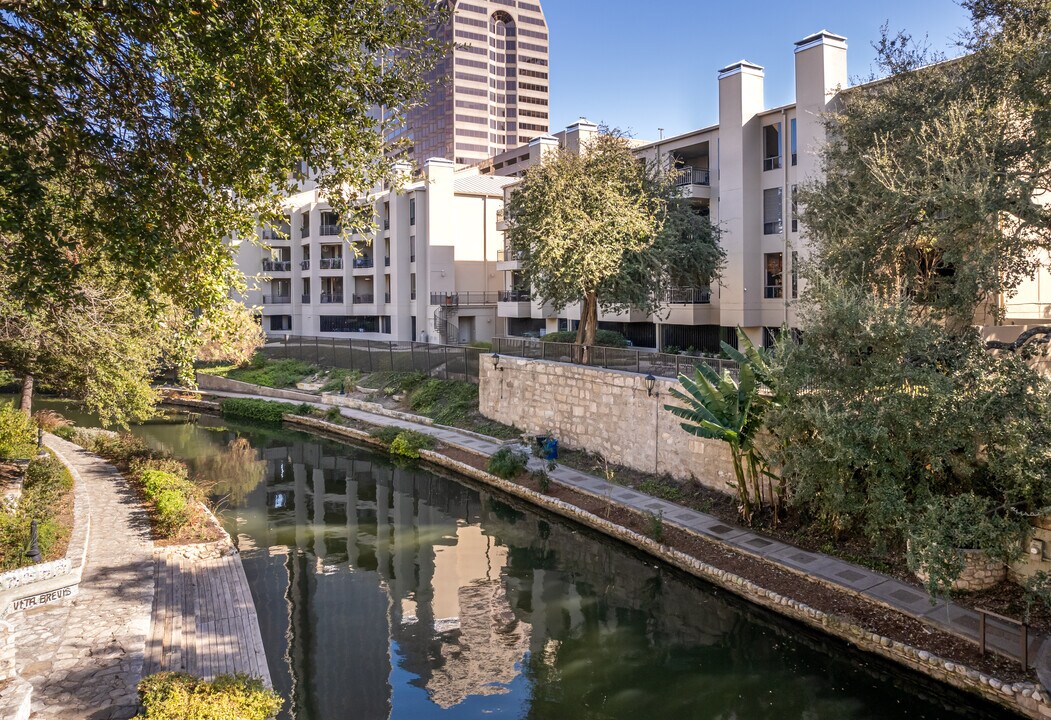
point(490, 92)
point(429, 273)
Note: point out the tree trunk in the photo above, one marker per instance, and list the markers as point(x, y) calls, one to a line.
point(27, 394)
point(588, 327)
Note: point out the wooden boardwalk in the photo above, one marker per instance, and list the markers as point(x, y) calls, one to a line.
point(204, 620)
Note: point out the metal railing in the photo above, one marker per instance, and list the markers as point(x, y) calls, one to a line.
point(331, 298)
point(386, 297)
point(689, 296)
point(363, 263)
point(279, 233)
point(626, 359)
point(509, 255)
point(364, 298)
point(386, 261)
point(386, 223)
point(304, 264)
point(1023, 636)
point(692, 176)
point(306, 298)
point(516, 296)
point(449, 362)
point(465, 298)
point(277, 265)
point(332, 263)
point(304, 231)
point(277, 299)
point(330, 229)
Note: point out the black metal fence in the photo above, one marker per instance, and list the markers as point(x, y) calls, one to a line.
point(448, 362)
point(627, 359)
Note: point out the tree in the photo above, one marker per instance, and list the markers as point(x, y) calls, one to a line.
point(888, 420)
point(602, 229)
point(136, 136)
point(732, 411)
point(933, 181)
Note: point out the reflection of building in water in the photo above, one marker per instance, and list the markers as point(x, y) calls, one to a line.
point(375, 555)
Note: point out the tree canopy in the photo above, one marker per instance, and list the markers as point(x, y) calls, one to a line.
point(136, 136)
point(603, 229)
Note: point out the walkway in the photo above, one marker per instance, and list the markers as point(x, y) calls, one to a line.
point(85, 658)
point(204, 619)
point(1003, 637)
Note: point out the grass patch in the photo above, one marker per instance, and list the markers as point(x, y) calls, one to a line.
point(268, 372)
point(47, 497)
point(661, 487)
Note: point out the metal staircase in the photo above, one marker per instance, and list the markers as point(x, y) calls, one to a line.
point(448, 332)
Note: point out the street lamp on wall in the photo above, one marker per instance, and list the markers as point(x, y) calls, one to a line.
point(496, 361)
point(650, 382)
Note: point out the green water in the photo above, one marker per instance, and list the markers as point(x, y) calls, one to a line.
point(388, 592)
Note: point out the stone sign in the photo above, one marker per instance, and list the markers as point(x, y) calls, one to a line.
point(44, 598)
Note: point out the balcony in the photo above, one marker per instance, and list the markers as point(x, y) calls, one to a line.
point(280, 233)
point(330, 229)
point(304, 231)
point(277, 265)
point(277, 299)
point(363, 299)
point(412, 256)
point(331, 298)
point(515, 304)
point(508, 260)
point(689, 296)
point(386, 297)
point(462, 299)
point(692, 176)
point(331, 263)
point(386, 262)
point(501, 220)
point(304, 265)
point(386, 224)
point(305, 298)
point(364, 263)
point(515, 296)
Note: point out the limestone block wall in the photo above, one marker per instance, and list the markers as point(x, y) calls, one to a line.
point(603, 411)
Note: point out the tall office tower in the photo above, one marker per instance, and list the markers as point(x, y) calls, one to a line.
point(489, 93)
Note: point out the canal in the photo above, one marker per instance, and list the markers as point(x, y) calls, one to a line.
point(398, 592)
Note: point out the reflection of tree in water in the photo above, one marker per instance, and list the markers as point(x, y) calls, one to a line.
point(237, 470)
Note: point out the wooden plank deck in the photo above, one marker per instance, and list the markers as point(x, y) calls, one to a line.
point(204, 621)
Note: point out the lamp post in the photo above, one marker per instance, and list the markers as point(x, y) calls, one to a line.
point(650, 382)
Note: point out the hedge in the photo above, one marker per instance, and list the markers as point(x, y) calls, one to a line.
point(262, 411)
point(179, 696)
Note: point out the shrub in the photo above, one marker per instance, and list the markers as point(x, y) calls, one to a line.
point(17, 433)
point(172, 510)
point(179, 696)
point(385, 434)
point(50, 421)
point(604, 338)
point(163, 464)
point(171, 494)
point(262, 411)
point(655, 525)
point(273, 373)
point(542, 480)
point(121, 449)
point(46, 488)
point(333, 414)
point(340, 378)
point(508, 463)
point(408, 443)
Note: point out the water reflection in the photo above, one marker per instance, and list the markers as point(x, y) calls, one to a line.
point(388, 592)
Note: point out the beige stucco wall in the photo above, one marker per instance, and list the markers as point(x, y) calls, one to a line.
point(602, 411)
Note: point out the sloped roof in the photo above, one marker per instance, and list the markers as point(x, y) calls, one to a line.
point(482, 184)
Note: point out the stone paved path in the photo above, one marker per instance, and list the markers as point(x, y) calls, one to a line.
point(85, 658)
point(1003, 637)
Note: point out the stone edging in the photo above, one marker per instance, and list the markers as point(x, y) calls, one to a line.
point(1026, 698)
point(66, 572)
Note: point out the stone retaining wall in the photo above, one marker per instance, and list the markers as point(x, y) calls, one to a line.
point(980, 572)
point(608, 412)
point(221, 384)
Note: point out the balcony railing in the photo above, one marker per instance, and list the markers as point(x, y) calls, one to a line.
point(329, 229)
point(331, 298)
point(689, 296)
point(363, 263)
point(412, 256)
point(412, 295)
point(306, 298)
point(692, 176)
point(277, 299)
point(304, 265)
point(500, 215)
point(386, 297)
point(304, 231)
point(465, 298)
point(509, 255)
point(364, 299)
point(386, 262)
point(516, 296)
point(277, 265)
point(386, 223)
point(331, 263)
point(772, 228)
point(279, 233)
point(772, 292)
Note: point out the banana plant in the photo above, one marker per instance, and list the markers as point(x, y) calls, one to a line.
point(721, 408)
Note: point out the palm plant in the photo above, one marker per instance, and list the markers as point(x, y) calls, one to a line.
point(721, 408)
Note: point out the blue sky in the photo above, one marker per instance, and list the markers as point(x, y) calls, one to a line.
point(643, 65)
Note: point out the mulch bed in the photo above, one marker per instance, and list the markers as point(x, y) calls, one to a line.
point(871, 616)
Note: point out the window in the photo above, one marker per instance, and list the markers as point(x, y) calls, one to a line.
point(412, 286)
point(793, 141)
point(772, 146)
point(350, 323)
point(795, 274)
point(280, 322)
point(304, 230)
point(385, 324)
point(330, 224)
point(795, 209)
point(774, 278)
point(772, 211)
point(412, 211)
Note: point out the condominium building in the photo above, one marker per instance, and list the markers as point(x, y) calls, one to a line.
point(490, 91)
point(742, 173)
point(429, 273)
